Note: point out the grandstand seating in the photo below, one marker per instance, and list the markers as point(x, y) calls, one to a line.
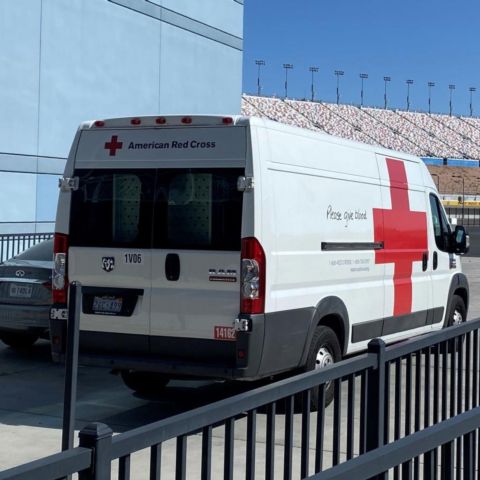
point(418, 133)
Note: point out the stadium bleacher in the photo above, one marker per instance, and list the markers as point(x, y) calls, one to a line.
point(449, 145)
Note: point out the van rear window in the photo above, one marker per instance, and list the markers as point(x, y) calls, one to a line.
point(162, 208)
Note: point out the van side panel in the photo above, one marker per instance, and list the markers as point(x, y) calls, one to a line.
point(319, 232)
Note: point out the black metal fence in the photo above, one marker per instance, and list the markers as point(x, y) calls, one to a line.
point(466, 216)
point(12, 244)
point(397, 409)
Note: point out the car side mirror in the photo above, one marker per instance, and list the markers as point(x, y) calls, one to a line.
point(460, 242)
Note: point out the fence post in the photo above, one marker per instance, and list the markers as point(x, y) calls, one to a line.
point(375, 426)
point(97, 437)
point(71, 365)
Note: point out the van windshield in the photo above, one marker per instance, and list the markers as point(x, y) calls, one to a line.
point(157, 208)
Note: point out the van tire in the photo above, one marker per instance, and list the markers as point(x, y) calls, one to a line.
point(324, 350)
point(146, 383)
point(18, 341)
point(457, 313)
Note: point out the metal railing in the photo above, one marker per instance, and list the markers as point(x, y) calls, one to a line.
point(381, 400)
point(12, 244)
point(466, 216)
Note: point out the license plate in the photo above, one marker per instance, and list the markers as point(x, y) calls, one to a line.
point(107, 305)
point(20, 291)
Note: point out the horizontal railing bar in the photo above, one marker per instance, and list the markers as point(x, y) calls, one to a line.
point(384, 458)
point(430, 339)
point(57, 465)
point(189, 422)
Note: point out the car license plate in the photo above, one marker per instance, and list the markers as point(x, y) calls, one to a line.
point(20, 291)
point(107, 305)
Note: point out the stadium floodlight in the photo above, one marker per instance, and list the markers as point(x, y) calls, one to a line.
point(451, 87)
point(287, 67)
point(430, 85)
point(259, 63)
point(408, 82)
point(313, 70)
point(363, 76)
point(338, 73)
point(385, 102)
point(471, 90)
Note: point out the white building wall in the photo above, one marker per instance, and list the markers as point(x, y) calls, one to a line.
point(65, 61)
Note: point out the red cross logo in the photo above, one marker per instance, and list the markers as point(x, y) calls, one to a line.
point(113, 145)
point(404, 236)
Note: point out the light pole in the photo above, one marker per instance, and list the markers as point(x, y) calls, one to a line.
point(430, 85)
point(386, 80)
point(287, 67)
point(259, 63)
point(408, 82)
point(451, 88)
point(338, 73)
point(313, 70)
point(471, 90)
point(463, 195)
point(363, 76)
point(438, 180)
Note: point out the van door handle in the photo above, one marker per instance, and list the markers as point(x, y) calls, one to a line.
point(425, 261)
point(172, 267)
point(435, 260)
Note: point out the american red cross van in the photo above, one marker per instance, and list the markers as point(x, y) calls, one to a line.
point(240, 248)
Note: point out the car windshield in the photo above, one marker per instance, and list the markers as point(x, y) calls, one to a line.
point(42, 251)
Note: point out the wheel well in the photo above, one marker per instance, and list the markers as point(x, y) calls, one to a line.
point(461, 292)
point(336, 324)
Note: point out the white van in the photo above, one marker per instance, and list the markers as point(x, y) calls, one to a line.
point(240, 248)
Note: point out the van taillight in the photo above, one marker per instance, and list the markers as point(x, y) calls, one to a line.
point(252, 289)
point(59, 274)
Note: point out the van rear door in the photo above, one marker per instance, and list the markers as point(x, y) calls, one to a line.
point(195, 259)
point(110, 254)
point(155, 233)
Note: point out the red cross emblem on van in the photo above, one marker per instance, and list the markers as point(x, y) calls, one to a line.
point(404, 236)
point(113, 145)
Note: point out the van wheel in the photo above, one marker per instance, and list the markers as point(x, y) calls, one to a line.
point(146, 383)
point(18, 341)
point(324, 350)
point(457, 313)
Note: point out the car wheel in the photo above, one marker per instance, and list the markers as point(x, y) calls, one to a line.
point(324, 350)
point(18, 341)
point(147, 383)
point(457, 313)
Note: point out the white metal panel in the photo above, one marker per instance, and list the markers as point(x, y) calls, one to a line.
point(193, 305)
point(85, 266)
point(106, 148)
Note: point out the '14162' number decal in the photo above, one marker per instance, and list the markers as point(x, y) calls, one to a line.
point(135, 258)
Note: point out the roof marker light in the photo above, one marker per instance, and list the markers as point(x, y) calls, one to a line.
point(135, 121)
point(227, 120)
point(161, 121)
point(99, 123)
point(187, 120)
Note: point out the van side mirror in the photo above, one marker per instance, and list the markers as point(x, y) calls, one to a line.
point(460, 241)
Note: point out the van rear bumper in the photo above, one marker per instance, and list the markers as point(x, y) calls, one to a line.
point(274, 345)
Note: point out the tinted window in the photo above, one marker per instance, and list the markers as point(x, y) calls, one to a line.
point(441, 227)
point(165, 208)
point(112, 209)
point(42, 251)
point(198, 209)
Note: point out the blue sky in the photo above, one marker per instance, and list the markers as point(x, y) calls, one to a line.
point(422, 40)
